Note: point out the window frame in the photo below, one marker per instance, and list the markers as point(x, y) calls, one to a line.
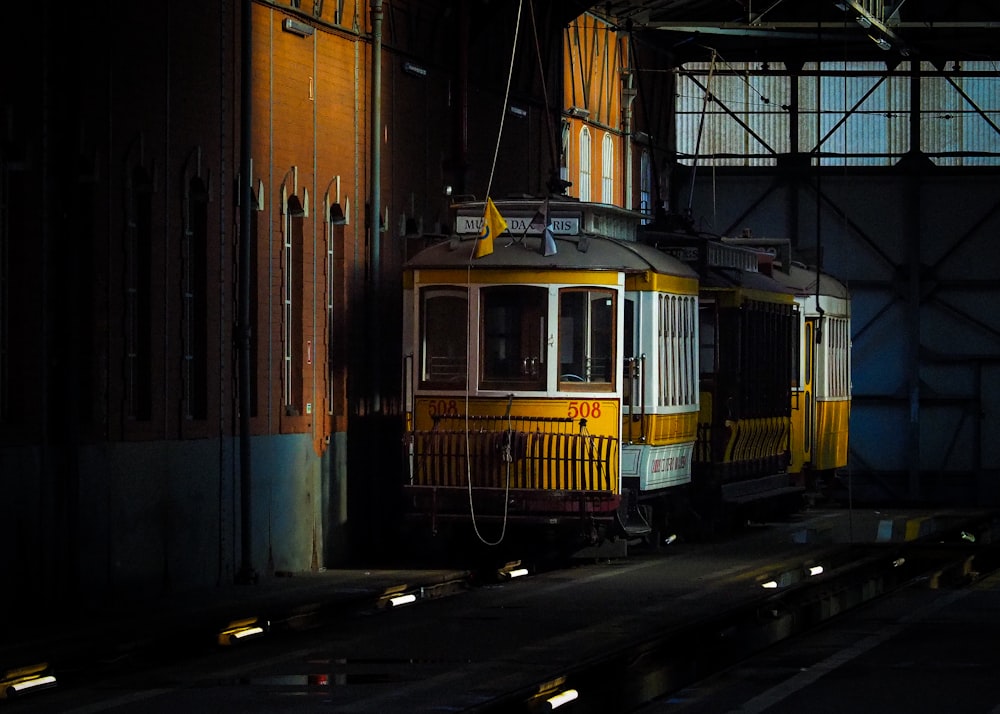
point(425, 293)
point(492, 382)
point(585, 170)
point(587, 384)
point(607, 169)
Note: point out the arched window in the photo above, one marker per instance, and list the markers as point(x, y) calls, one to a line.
point(607, 169)
point(293, 298)
point(584, 164)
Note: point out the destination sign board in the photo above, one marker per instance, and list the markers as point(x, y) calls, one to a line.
point(521, 224)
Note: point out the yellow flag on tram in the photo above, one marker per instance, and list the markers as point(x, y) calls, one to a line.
point(493, 225)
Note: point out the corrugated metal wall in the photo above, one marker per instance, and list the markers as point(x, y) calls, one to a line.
point(905, 213)
point(863, 117)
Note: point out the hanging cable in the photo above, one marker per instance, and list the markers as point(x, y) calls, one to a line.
point(701, 127)
point(545, 91)
point(503, 111)
point(468, 328)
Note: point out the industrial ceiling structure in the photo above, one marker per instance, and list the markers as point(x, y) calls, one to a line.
point(804, 30)
point(856, 128)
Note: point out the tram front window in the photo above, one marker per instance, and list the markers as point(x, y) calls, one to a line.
point(513, 337)
point(586, 337)
point(443, 337)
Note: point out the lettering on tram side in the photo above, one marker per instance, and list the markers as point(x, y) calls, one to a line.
point(668, 463)
point(574, 410)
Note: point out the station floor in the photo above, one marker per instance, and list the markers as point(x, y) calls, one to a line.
point(922, 650)
point(902, 646)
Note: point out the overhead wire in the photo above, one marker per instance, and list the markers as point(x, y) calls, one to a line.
point(545, 91)
point(468, 329)
point(701, 127)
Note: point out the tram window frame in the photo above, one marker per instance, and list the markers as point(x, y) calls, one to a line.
point(569, 335)
point(676, 319)
point(447, 329)
point(513, 337)
point(800, 348)
point(708, 339)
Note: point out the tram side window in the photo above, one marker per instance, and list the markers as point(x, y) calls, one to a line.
point(443, 337)
point(586, 337)
point(707, 357)
point(629, 329)
point(677, 362)
point(513, 337)
point(838, 341)
point(800, 348)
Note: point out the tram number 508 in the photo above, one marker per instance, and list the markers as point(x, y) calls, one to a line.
point(443, 407)
point(584, 410)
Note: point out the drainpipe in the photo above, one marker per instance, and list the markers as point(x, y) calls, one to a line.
point(376, 208)
point(246, 573)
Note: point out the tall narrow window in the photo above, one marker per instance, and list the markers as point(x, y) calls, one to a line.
point(645, 184)
point(195, 302)
point(607, 169)
point(839, 366)
point(444, 324)
point(584, 164)
point(677, 346)
point(330, 285)
point(138, 308)
point(292, 330)
point(798, 354)
point(586, 337)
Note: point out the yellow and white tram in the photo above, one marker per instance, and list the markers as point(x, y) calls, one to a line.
point(592, 372)
point(523, 367)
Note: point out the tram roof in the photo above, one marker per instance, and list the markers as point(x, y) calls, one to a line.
point(581, 252)
point(728, 278)
point(803, 281)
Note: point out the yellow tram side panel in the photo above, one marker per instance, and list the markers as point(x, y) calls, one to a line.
point(800, 424)
point(549, 448)
point(664, 429)
point(660, 429)
point(830, 450)
point(748, 439)
point(829, 441)
point(660, 452)
point(754, 438)
point(650, 281)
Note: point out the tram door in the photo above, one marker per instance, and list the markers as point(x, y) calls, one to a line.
point(803, 400)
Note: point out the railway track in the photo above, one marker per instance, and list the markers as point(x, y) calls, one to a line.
point(616, 635)
point(793, 602)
